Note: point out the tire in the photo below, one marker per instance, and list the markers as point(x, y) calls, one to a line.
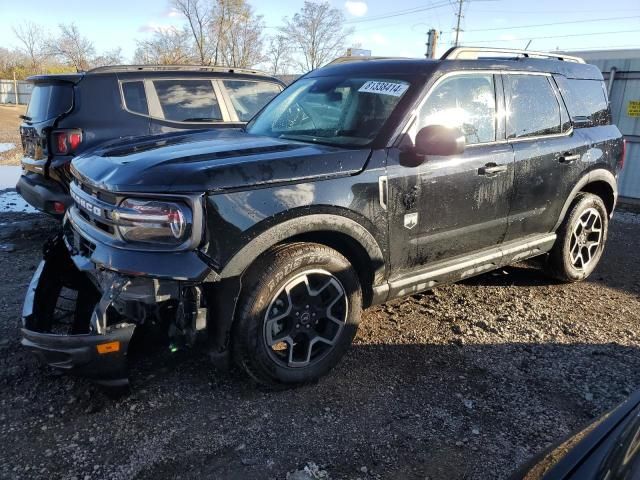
point(574, 255)
point(298, 313)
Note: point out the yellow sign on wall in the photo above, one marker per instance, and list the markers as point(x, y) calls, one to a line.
point(633, 108)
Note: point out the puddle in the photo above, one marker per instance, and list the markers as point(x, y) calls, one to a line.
point(9, 176)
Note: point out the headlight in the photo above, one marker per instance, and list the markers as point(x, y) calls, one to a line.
point(152, 221)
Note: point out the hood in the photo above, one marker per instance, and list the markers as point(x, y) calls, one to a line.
point(212, 160)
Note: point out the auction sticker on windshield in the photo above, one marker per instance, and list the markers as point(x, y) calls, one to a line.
point(385, 88)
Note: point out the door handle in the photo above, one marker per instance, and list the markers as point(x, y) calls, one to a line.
point(568, 157)
point(382, 191)
point(491, 169)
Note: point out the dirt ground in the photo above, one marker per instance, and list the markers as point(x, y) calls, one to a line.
point(465, 382)
point(9, 123)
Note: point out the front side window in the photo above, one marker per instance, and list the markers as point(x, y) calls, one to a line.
point(532, 107)
point(334, 110)
point(248, 97)
point(466, 102)
point(135, 98)
point(188, 100)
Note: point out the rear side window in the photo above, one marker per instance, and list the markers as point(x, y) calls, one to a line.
point(188, 100)
point(586, 101)
point(135, 98)
point(249, 97)
point(49, 101)
point(532, 106)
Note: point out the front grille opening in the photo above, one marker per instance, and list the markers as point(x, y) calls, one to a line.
point(64, 304)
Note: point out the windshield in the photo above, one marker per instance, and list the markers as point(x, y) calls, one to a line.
point(331, 110)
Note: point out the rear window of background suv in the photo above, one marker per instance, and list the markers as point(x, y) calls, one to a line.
point(49, 100)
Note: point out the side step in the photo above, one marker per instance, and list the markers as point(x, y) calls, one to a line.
point(467, 266)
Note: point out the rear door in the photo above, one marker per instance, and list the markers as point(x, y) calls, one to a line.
point(49, 101)
point(547, 153)
point(186, 103)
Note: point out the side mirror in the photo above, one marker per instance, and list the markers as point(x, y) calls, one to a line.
point(439, 140)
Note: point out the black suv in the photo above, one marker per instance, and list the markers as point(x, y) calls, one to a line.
point(360, 183)
point(71, 113)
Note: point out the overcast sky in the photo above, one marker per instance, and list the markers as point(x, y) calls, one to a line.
point(387, 28)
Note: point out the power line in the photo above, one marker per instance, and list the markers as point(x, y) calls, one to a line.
point(551, 36)
point(459, 15)
point(398, 13)
point(551, 24)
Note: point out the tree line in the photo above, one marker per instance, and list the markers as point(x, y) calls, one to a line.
point(214, 32)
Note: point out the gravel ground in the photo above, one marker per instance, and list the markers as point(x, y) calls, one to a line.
point(465, 382)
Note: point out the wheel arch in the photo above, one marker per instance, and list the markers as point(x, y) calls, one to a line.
point(343, 234)
point(599, 182)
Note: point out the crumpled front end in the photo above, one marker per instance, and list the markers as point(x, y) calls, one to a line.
point(82, 319)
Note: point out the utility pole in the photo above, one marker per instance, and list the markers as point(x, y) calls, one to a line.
point(432, 43)
point(460, 2)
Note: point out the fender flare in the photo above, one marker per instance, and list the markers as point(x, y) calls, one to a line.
point(307, 224)
point(599, 175)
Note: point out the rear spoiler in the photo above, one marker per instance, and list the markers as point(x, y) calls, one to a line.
point(53, 78)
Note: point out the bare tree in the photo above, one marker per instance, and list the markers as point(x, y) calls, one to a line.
point(167, 47)
point(110, 57)
point(318, 32)
point(242, 40)
point(72, 48)
point(198, 14)
point(30, 36)
point(278, 54)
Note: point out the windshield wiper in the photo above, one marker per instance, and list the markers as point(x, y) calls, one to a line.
point(201, 119)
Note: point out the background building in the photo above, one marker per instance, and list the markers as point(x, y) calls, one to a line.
point(621, 70)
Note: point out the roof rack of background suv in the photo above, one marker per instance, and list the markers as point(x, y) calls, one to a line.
point(475, 53)
point(171, 68)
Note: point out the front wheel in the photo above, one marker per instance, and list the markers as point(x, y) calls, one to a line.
point(298, 314)
point(581, 239)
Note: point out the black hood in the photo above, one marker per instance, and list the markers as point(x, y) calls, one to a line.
point(211, 160)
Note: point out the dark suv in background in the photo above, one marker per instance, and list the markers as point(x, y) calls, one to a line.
point(360, 183)
point(70, 113)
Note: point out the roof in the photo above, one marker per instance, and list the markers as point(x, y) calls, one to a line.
point(468, 58)
point(163, 69)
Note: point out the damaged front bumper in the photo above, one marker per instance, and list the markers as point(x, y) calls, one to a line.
point(82, 319)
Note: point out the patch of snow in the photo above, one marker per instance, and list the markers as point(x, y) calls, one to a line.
point(5, 147)
point(9, 176)
point(11, 201)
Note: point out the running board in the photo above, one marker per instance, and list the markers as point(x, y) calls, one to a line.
point(468, 266)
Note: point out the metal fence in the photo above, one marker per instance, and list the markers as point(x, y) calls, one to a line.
point(8, 91)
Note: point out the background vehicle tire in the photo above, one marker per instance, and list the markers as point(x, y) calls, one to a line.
point(298, 313)
point(581, 239)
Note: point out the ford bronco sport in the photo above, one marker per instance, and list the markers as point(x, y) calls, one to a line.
point(70, 113)
point(360, 183)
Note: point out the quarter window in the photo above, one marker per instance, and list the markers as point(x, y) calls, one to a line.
point(188, 100)
point(466, 102)
point(585, 99)
point(135, 98)
point(249, 97)
point(532, 107)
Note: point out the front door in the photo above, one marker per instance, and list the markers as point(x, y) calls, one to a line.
point(452, 206)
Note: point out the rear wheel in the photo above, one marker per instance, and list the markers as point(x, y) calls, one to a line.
point(298, 314)
point(581, 239)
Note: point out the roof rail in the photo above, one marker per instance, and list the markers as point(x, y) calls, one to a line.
point(170, 68)
point(476, 53)
point(361, 58)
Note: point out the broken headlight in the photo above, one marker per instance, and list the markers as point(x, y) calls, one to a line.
point(153, 221)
